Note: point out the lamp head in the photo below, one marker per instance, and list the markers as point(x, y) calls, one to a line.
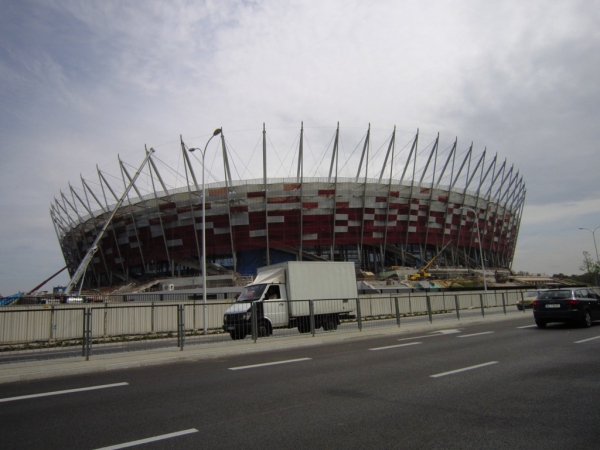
point(215, 133)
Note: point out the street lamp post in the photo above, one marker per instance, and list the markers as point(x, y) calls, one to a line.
point(596, 248)
point(203, 152)
point(480, 248)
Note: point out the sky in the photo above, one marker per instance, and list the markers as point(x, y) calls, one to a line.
point(85, 83)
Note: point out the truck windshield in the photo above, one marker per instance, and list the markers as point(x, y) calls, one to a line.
point(251, 293)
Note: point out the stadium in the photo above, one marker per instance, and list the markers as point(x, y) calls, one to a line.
point(395, 204)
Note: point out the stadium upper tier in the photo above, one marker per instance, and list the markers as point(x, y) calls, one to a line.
point(377, 222)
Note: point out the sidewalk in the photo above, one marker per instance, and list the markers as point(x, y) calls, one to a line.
point(33, 370)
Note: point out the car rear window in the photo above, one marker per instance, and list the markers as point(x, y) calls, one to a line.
point(555, 295)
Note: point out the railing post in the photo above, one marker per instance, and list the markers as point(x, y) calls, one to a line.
point(84, 329)
point(180, 325)
point(105, 325)
point(311, 308)
point(503, 303)
point(481, 303)
point(428, 300)
point(178, 331)
point(195, 328)
point(152, 317)
point(89, 334)
point(254, 319)
point(358, 314)
point(87, 329)
point(457, 303)
point(52, 326)
point(397, 305)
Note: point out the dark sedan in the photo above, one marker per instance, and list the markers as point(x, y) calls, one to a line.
point(580, 306)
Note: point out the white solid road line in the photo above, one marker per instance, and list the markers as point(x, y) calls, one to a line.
point(270, 364)
point(68, 391)
point(585, 340)
point(395, 346)
point(476, 334)
point(152, 439)
point(464, 369)
point(527, 326)
point(432, 334)
point(420, 337)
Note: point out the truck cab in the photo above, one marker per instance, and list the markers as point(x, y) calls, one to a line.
point(271, 307)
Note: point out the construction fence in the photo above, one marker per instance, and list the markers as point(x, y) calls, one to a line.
point(111, 324)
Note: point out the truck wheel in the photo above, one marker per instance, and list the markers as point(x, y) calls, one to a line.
point(264, 329)
point(329, 324)
point(237, 334)
point(304, 325)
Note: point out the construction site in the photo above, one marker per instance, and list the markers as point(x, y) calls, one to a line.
point(410, 216)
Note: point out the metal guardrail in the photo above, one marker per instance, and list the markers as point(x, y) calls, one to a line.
point(34, 332)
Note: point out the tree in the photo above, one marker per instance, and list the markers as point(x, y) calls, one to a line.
point(590, 267)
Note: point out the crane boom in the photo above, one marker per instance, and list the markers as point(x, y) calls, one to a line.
point(94, 248)
point(31, 292)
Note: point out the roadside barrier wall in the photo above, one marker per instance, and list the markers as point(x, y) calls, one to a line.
point(24, 324)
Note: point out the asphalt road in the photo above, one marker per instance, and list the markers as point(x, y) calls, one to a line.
point(481, 386)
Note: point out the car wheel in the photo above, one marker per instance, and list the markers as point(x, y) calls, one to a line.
point(540, 323)
point(587, 319)
point(238, 334)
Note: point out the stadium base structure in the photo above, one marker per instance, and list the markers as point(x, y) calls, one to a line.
point(377, 222)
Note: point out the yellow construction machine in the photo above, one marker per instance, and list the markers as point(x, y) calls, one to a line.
point(422, 273)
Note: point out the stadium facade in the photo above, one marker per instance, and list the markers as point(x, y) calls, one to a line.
point(403, 216)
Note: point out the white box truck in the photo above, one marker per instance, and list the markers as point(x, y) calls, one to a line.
point(282, 294)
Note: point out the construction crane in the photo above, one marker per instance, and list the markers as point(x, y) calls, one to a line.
point(34, 290)
point(80, 272)
point(422, 273)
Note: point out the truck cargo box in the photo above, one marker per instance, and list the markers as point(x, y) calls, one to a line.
point(332, 285)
